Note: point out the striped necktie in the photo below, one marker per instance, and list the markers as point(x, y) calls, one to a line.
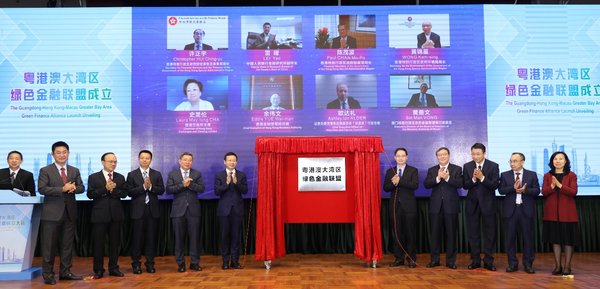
point(147, 200)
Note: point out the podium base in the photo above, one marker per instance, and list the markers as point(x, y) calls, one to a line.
point(28, 274)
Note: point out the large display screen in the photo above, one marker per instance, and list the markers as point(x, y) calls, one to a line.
point(210, 80)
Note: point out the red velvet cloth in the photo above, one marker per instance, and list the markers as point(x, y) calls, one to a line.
point(270, 242)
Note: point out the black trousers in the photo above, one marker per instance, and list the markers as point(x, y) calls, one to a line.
point(405, 231)
point(144, 237)
point(99, 232)
point(474, 235)
point(230, 237)
point(448, 223)
point(519, 222)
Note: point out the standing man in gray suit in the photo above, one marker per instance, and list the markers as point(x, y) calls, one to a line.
point(59, 183)
point(185, 184)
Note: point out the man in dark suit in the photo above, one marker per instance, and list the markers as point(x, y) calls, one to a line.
point(230, 184)
point(480, 178)
point(265, 40)
point(428, 39)
point(422, 99)
point(198, 44)
point(185, 184)
point(520, 187)
point(401, 181)
point(59, 183)
point(14, 177)
point(343, 101)
point(444, 180)
point(144, 184)
point(106, 188)
point(344, 41)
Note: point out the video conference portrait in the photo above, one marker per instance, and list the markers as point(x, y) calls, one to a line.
point(197, 32)
point(272, 92)
point(271, 32)
point(345, 31)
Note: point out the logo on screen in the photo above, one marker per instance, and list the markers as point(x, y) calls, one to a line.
point(408, 23)
point(172, 21)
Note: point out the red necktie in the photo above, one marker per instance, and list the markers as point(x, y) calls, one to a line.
point(343, 42)
point(110, 176)
point(63, 175)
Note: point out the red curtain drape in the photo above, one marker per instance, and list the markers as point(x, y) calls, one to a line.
point(270, 242)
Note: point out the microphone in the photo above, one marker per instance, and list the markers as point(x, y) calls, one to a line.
point(21, 192)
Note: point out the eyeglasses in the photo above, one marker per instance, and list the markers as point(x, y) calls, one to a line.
point(514, 161)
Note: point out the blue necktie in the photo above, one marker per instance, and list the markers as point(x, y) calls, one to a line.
point(423, 101)
point(399, 172)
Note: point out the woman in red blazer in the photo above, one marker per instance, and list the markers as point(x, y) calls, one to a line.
point(560, 213)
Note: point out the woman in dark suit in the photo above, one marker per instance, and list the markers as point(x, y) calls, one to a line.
point(560, 213)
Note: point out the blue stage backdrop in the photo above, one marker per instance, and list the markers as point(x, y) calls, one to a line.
point(516, 78)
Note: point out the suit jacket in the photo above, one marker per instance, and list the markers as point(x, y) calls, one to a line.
point(404, 192)
point(414, 100)
point(350, 42)
point(421, 39)
point(264, 43)
point(481, 194)
point(230, 195)
point(445, 192)
point(135, 186)
point(560, 203)
point(185, 197)
point(56, 201)
point(507, 182)
point(335, 104)
point(23, 181)
point(107, 205)
point(191, 46)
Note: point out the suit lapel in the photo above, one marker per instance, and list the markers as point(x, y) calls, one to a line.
point(102, 178)
point(70, 173)
point(55, 173)
point(140, 176)
point(179, 176)
point(528, 175)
